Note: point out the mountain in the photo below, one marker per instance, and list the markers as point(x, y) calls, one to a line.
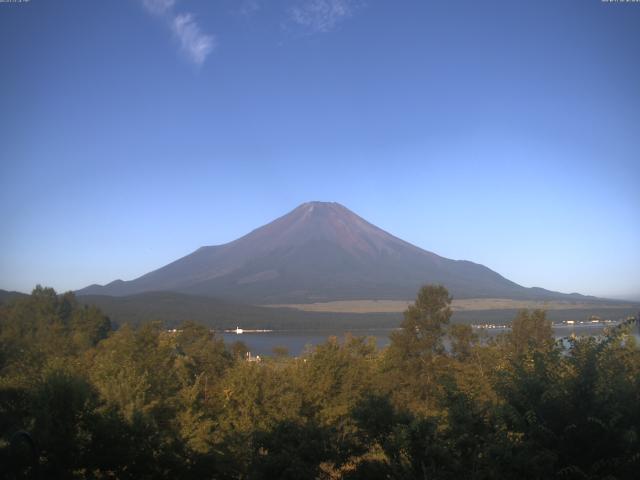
point(320, 252)
point(7, 296)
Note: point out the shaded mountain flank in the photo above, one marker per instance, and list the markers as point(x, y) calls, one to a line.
point(321, 252)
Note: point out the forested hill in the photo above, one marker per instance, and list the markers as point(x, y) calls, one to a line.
point(172, 309)
point(6, 296)
point(81, 401)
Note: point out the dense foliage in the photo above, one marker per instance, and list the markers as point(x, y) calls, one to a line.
point(80, 400)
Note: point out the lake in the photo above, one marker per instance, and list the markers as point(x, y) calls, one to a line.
point(296, 340)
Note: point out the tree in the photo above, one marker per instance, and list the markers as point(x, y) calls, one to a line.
point(531, 332)
point(280, 351)
point(239, 349)
point(415, 355)
point(203, 352)
point(422, 330)
point(462, 341)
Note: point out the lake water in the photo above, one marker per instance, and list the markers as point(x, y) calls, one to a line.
point(297, 341)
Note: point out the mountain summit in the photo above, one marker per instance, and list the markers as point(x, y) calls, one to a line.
point(319, 252)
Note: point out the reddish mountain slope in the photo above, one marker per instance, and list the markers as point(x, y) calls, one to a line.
point(320, 252)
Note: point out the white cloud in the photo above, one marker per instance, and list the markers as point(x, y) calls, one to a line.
point(321, 15)
point(196, 45)
point(158, 7)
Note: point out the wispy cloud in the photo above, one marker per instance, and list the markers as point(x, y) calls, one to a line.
point(194, 43)
point(321, 15)
point(158, 7)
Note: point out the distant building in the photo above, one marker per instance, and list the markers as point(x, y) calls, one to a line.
point(251, 358)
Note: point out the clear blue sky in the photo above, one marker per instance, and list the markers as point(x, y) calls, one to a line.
point(502, 132)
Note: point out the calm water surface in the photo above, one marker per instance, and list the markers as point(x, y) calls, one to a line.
point(296, 341)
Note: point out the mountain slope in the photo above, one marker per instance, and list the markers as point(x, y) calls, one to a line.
point(320, 252)
point(7, 296)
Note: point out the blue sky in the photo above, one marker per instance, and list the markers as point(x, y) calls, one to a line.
point(502, 132)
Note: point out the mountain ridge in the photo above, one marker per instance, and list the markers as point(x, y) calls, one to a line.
point(320, 251)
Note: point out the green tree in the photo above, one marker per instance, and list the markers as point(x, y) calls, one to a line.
point(415, 355)
point(463, 340)
point(423, 327)
point(531, 332)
